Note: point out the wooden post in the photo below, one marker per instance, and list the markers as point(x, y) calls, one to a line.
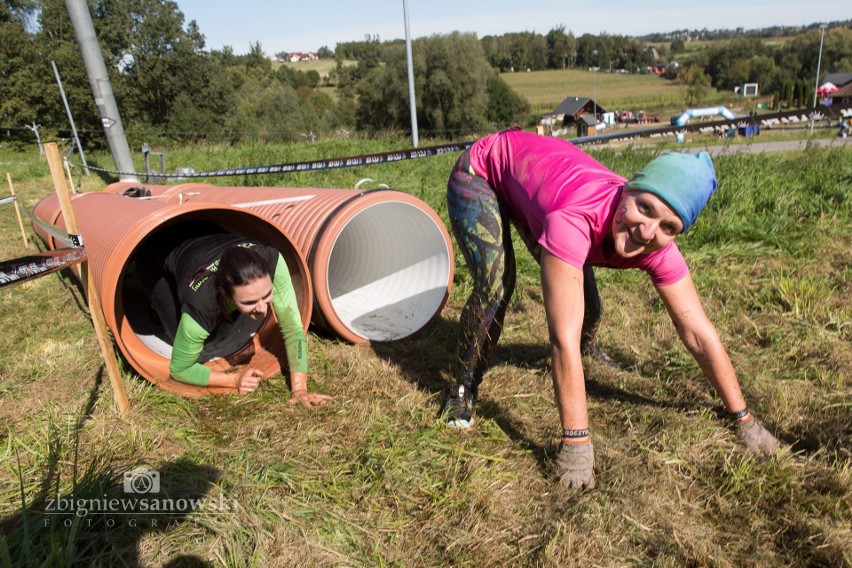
point(17, 210)
point(70, 179)
point(118, 392)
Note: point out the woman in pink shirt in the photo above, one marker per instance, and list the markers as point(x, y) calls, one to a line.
point(573, 214)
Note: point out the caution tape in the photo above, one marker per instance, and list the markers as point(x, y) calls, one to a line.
point(316, 165)
point(33, 266)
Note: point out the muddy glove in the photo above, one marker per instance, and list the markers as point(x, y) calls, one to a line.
point(576, 464)
point(755, 437)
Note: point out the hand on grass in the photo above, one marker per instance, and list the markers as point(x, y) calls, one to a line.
point(576, 463)
point(249, 380)
point(756, 438)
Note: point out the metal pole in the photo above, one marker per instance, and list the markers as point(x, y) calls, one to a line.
point(411, 100)
point(595, 95)
point(819, 59)
point(93, 61)
point(595, 87)
point(70, 118)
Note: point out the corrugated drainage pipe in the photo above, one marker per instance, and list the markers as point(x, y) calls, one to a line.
point(126, 240)
point(381, 261)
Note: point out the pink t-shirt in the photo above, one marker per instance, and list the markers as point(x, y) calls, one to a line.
point(566, 199)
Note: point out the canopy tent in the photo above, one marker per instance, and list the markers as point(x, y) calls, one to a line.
point(826, 89)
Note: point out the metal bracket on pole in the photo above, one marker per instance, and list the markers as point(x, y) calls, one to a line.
point(147, 153)
point(35, 128)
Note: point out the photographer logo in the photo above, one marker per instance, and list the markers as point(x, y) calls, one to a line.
point(142, 480)
point(143, 500)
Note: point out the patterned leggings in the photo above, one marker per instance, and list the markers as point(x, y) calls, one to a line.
point(481, 226)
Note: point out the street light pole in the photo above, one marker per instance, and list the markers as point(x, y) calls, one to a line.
point(595, 94)
point(409, 59)
point(93, 62)
point(595, 87)
point(819, 59)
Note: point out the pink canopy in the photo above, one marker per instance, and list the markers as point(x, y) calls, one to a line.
point(827, 89)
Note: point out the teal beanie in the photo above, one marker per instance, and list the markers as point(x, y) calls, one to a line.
point(684, 181)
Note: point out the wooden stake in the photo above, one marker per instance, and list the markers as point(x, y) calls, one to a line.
point(17, 210)
point(119, 394)
point(70, 179)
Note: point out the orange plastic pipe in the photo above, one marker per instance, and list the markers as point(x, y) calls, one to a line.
point(113, 230)
point(381, 261)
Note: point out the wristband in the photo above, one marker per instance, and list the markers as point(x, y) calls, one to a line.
point(581, 433)
point(739, 415)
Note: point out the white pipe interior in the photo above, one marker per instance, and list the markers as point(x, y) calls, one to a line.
point(388, 271)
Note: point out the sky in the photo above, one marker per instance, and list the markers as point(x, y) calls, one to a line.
point(307, 25)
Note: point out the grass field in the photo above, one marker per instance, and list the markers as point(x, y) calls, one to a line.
point(321, 66)
point(651, 93)
point(376, 480)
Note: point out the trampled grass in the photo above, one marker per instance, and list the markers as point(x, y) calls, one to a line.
point(375, 480)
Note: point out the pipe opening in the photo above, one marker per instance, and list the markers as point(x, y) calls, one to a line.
point(149, 296)
point(388, 271)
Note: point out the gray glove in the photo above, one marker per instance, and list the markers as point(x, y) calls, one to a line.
point(576, 464)
point(756, 438)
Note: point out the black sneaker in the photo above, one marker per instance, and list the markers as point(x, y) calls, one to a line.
point(595, 352)
point(458, 410)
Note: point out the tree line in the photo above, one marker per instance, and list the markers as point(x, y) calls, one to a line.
point(170, 88)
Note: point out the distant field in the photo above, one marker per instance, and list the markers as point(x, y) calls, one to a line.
point(656, 95)
point(322, 66)
point(546, 89)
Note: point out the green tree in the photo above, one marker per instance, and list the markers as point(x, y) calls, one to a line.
point(55, 40)
point(313, 77)
point(270, 111)
point(695, 83)
point(256, 58)
point(557, 48)
point(451, 84)
point(728, 62)
point(200, 115)
point(19, 105)
point(505, 106)
point(163, 59)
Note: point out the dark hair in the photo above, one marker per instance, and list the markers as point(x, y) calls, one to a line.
point(239, 265)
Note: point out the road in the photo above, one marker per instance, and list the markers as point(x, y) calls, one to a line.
point(765, 147)
point(750, 146)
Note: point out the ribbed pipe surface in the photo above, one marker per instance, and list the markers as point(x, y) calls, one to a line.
point(123, 238)
point(381, 261)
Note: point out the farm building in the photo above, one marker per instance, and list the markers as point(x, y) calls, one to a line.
point(570, 113)
point(843, 82)
point(587, 125)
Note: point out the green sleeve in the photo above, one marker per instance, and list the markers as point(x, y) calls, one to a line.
point(189, 341)
point(289, 320)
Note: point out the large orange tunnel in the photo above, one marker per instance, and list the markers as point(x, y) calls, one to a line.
point(375, 265)
point(381, 261)
point(125, 238)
